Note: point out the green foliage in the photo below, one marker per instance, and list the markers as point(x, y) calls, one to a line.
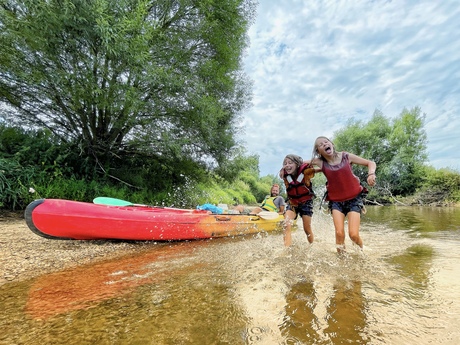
point(36, 164)
point(20, 185)
point(14, 182)
point(39, 148)
point(238, 161)
point(439, 187)
point(116, 78)
point(142, 171)
point(141, 98)
point(38, 160)
point(214, 191)
point(245, 168)
point(319, 185)
point(408, 141)
point(369, 140)
point(398, 147)
point(225, 193)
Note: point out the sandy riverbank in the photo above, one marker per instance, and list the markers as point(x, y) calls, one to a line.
point(24, 254)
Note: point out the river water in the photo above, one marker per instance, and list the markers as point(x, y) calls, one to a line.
point(405, 289)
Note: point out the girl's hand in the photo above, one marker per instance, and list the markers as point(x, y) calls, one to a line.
point(281, 174)
point(371, 179)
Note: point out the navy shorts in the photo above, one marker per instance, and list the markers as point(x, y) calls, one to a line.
point(353, 205)
point(305, 209)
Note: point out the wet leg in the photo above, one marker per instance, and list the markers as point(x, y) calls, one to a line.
point(339, 225)
point(354, 221)
point(288, 221)
point(306, 221)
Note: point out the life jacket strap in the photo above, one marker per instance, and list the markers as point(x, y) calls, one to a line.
point(300, 177)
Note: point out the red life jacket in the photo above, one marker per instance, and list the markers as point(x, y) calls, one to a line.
point(342, 184)
point(299, 188)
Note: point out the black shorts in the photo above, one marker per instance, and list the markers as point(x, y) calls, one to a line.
point(353, 205)
point(305, 209)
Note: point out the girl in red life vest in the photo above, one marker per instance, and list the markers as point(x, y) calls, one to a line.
point(344, 190)
point(296, 175)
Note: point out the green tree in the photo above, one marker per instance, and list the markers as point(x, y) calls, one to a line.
point(369, 140)
point(245, 168)
point(398, 147)
point(123, 77)
point(237, 162)
point(408, 145)
point(439, 187)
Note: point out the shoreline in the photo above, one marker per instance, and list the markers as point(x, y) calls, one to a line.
point(25, 255)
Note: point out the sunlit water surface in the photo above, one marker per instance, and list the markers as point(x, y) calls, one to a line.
point(405, 289)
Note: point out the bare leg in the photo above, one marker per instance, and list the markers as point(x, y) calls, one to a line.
point(244, 210)
point(339, 225)
point(256, 210)
point(288, 221)
point(306, 221)
point(239, 208)
point(354, 221)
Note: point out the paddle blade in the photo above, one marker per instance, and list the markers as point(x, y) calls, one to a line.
point(268, 215)
point(102, 200)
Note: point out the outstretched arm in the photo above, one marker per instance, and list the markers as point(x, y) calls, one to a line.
point(371, 166)
point(315, 163)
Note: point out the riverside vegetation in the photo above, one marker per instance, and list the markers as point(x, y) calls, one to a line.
point(35, 164)
point(143, 101)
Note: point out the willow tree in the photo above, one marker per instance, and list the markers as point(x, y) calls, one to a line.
point(160, 77)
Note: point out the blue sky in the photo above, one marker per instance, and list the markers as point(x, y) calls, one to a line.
point(316, 64)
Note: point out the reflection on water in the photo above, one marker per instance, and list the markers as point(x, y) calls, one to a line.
point(251, 290)
point(344, 317)
point(346, 313)
point(415, 264)
point(81, 287)
point(300, 321)
point(420, 220)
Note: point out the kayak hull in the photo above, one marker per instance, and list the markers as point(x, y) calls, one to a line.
point(66, 219)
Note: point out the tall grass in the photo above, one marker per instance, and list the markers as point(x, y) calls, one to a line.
point(21, 185)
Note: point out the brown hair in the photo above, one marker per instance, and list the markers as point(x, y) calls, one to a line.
point(296, 159)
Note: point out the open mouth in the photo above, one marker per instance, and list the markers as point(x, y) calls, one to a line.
point(328, 149)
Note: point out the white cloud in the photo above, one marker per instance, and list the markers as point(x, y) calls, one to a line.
point(317, 64)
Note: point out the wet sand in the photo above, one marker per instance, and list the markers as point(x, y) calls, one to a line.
point(24, 254)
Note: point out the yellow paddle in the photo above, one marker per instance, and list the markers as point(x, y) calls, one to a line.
point(268, 215)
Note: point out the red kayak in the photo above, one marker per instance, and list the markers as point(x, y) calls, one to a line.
point(66, 219)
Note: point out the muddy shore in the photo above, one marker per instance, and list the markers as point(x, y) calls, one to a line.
point(24, 254)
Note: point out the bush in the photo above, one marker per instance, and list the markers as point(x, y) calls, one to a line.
point(439, 187)
point(15, 181)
